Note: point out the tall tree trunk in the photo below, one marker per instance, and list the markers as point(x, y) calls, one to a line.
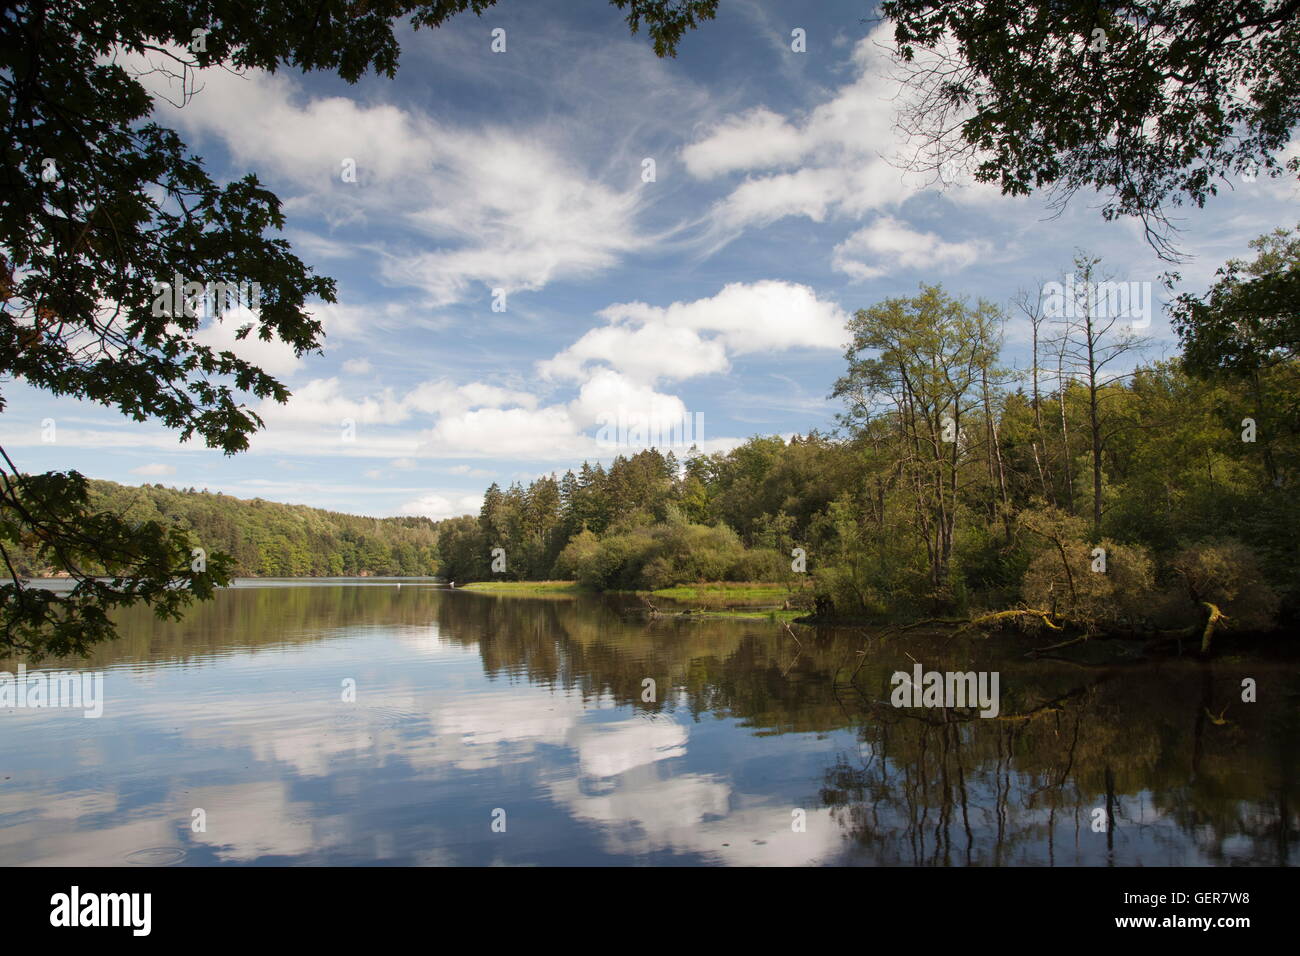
point(1094, 424)
point(1050, 495)
point(1042, 478)
point(1065, 434)
point(996, 456)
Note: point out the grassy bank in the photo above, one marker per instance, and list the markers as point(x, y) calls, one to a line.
point(752, 614)
point(727, 594)
point(739, 599)
point(524, 587)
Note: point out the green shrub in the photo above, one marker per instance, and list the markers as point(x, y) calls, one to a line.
point(1063, 580)
point(652, 557)
point(1227, 573)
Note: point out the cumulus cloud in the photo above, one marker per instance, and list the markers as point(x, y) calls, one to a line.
point(646, 353)
point(547, 434)
point(614, 371)
point(608, 393)
point(764, 316)
point(619, 364)
point(438, 506)
point(889, 245)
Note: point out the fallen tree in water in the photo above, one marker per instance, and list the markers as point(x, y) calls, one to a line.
point(1212, 616)
point(1109, 590)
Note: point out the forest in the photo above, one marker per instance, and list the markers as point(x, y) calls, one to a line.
point(264, 538)
point(1098, 489)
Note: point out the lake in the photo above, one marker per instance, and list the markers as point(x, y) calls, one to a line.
point(358, 722)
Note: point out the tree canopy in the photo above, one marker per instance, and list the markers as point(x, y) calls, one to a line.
point(1250, 317)
point(1150, 103)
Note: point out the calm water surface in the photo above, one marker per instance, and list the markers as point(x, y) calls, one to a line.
point(468, 704)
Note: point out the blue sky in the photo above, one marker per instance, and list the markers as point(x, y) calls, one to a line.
point(779, 206)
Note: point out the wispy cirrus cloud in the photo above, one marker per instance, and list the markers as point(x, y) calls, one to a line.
point(838, 160)
point(478, 208)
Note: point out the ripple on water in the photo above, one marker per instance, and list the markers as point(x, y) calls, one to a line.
point(156, 856)
point(374, 717)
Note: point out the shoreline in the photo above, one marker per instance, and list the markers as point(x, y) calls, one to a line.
point(771, 601)
point(745, 600)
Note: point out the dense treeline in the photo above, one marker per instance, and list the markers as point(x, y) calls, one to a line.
point(265, 538)
point(1107, 492)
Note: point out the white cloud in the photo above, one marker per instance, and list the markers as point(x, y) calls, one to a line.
point(520, 214)
point(845, 152)
point(648, 353)
point(845, 158)
point(503, 206)
point(274, 357)
point(607, 393)
point(762, 316)
point(548, 434)
point(756, 138)
point(321, 401)
point(355, 322)
point(615, 368)
point(152, 471)
point(438, 506)
point(467, 470)
point(683, 340)
point(560, 432)
point(890, 245)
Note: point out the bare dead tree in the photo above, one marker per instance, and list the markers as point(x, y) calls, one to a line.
point(1096, 334)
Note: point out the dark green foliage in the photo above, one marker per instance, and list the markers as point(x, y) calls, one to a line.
point(1250, 319)
point(249, 538)
point(50, 521)
point(663, 555)
point(1149, 102)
